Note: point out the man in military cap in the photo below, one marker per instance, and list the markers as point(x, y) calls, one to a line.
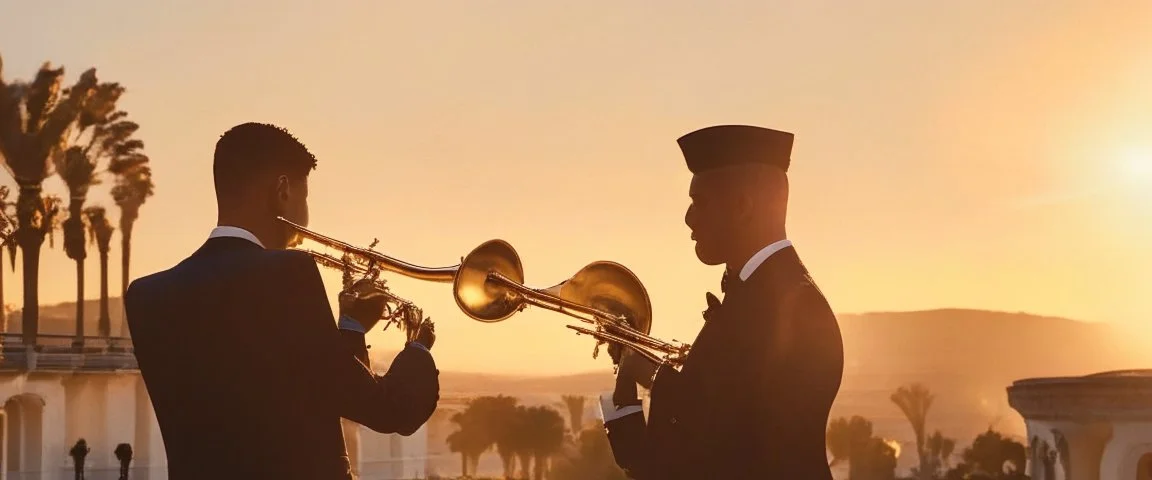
point(753, 396)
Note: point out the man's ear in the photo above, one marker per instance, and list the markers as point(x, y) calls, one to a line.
point(743, 204)
point(283, 188)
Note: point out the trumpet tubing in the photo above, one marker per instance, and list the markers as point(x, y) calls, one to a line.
point(488, 286)
point(368, 258)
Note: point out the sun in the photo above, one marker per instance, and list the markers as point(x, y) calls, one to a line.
point(1136, 167)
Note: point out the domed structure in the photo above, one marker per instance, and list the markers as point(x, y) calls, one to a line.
point(1093, 427)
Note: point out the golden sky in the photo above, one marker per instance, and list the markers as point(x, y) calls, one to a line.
point(982, 154)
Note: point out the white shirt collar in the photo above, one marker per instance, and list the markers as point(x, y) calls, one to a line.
point(761, 256)
point(229, 231)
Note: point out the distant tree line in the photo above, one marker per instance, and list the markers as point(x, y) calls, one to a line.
point(992, 456)
point(533, 441)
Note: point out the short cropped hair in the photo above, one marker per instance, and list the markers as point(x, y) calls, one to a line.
point(251, 150)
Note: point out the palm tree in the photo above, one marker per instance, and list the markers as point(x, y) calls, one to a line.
point(915, 400)
point(520, 439)
point(77, 167)
point(468, 440)
point(989, 455)
point(545, 429)
point(846, 437)
point(939, 449)
point(133, 187)
point(34, 125)
point(101, 232)
point(592, 458)
point(575, 404)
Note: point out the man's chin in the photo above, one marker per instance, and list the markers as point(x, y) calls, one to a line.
point(706, 257)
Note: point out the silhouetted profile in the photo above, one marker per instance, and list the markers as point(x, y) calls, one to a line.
point(753, 396)
point(247, 369)
point(124, 455)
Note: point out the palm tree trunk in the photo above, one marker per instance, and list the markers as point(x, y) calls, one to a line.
point(3, 306)
point(30, 237)
point(463, 464)
point(125, 253)
point(105, 323)
point(541, 464)
point(79, 341)
point(525, 466)
point(30, 315)
point(926, 472)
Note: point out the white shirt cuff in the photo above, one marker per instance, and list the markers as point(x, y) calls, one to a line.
point(348, 323)
point(609, 412)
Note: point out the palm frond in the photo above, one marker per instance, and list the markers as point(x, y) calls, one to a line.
point(42, 96)
point(12, 120)
point(127, 165)
point(52, 138)
point(102, 103)
point(98, 226)
point(76, 169)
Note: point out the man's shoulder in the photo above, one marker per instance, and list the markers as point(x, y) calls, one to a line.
point(270, 263)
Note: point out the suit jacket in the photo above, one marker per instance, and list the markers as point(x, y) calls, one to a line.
point(248, 374)
point(753, 396)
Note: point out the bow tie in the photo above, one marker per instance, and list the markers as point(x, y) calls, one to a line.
point(713, 306)
point(714, 303)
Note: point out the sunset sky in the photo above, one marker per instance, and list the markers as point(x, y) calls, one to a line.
point(978, 154)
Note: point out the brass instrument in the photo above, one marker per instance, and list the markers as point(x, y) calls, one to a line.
point(488, 286)
point(366, 264)
point(605, 295)
point(405, 314)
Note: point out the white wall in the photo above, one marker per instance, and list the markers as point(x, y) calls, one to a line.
point(106, 409)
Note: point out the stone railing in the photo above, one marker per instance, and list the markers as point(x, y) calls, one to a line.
point(60, 353)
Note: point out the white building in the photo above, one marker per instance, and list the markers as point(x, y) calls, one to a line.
point(59, 394)
point(1095, 427)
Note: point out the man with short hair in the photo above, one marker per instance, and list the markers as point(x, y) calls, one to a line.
point(753, 396)
point(246, 367)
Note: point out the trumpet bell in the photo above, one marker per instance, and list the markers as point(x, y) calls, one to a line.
point(479, 298)
point(613, 288)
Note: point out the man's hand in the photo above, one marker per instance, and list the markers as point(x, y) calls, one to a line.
point(426, 334)
point(633, 369)
point(636, 368)
point(364, 303)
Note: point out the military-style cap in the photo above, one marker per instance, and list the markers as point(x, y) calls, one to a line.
point(726, 145)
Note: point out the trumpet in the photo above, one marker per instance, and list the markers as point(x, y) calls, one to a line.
point(355, 261)
point(397, 310)
point(605, 295)
point(488, 286)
